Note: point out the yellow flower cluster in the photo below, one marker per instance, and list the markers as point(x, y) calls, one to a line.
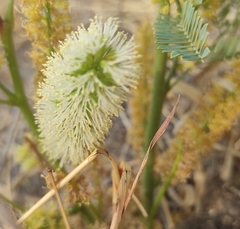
point(216, 112)
point(140, 99)
point(47, 22)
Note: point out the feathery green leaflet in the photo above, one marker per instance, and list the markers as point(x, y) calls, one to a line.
point(184, 35)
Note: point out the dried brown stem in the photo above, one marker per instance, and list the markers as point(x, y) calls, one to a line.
point(69, 177)
point(159, 133)
point(58, 199)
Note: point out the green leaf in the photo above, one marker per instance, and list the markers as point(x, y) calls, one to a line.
point(183, 36)
point(226, 49)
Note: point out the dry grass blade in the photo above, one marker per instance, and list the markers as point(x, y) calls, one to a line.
point(116, 176)
point(69, 177)
point(140, 206)
point(159, 133)
point(59, 199)
point(121, 193)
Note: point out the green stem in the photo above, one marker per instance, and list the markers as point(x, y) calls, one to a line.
point(85, 211)
point(158, 96)
point(165, 185)
point(8, 45)
point(96, 212)
point(13, 204)
point(49, 30)
point(9, 102)
point(179, 7)
point(7, 91)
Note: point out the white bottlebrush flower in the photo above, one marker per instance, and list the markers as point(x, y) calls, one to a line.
point(86, 83)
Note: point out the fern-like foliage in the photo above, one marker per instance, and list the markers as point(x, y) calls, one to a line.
point(184, 35)
point(227, 20)
point(226, 49)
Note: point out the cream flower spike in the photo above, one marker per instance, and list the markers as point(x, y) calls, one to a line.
point(86, 83)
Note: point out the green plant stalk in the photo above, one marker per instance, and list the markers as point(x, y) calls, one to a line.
point(13, 204)
point(158, 96)
point(8, 102)
point(96, 212)
point(179, 7)
point(165, 185)
point(10, 95)
point(7, 40)
point(86, 213)
point(48, 20)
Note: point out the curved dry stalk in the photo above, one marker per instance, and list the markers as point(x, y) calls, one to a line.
point(62, 183)
point(120, 184)
point(159, 133)
point(122, 191)
point(59, 199)
point(70, 176)
point(140, 206)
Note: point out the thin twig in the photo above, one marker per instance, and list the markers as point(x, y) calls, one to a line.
point(59, 199)
point(11, 137)
point(7, 91)
point(12, 203)
point(69, 177)
point(19, 93)
point(62, 183)
point(43, 161)
point(168, 218)
point(165, 185)
point(8, 102)
point(159, 133)
point(140, 206)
